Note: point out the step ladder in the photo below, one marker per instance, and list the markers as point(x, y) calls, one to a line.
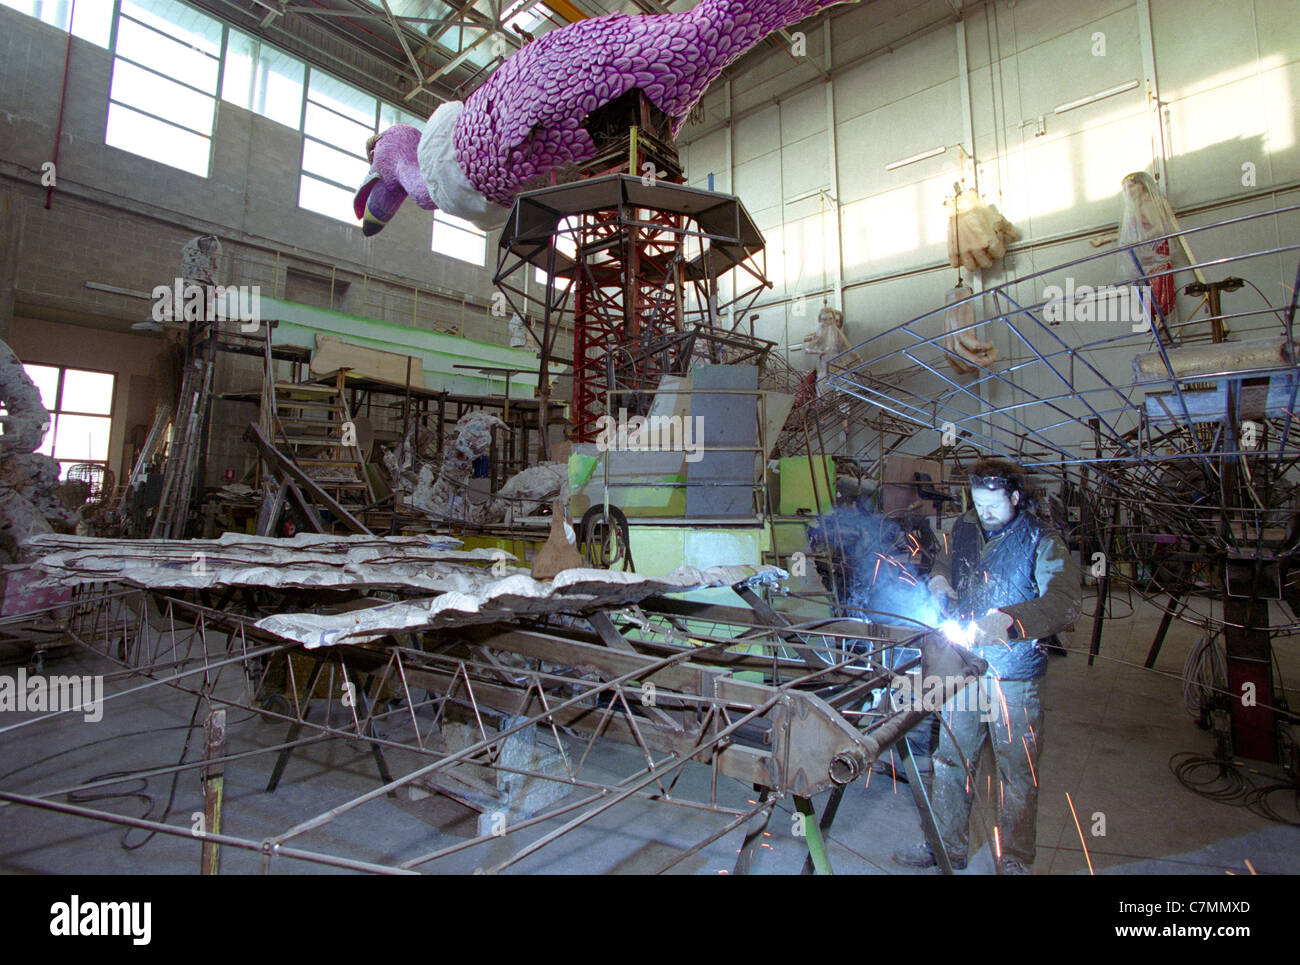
point(183, 452)
point(311, 423)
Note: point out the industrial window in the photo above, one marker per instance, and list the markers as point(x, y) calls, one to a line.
point(565, 243)
point(338, 121)
point(458, 238)
point(80, 402)
point(162, 101)
point(264, 80)
point(390, 115)
point(91, 21)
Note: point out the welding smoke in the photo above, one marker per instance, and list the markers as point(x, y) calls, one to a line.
point(879, 570)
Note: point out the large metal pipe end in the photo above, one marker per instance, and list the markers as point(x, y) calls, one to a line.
point(848, 766)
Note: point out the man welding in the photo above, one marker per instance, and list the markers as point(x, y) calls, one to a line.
point(1013, 584)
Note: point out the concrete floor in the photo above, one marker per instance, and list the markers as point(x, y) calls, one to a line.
point(1110, 732)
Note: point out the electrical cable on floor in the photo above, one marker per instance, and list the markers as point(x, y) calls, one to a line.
point(1205, 673)
point(84, 797)
point(1230, 783)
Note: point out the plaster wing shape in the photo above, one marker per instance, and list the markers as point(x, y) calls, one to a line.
point(495, 600)
point(308, 561)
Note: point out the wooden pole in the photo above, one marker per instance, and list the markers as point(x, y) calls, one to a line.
point(214, 748)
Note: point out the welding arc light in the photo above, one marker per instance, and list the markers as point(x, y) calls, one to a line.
point(963, 636)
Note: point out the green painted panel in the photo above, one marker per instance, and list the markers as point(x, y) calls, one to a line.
point(438, 352)
point(797, 482)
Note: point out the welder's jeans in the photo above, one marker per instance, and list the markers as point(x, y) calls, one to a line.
point(1015, 728)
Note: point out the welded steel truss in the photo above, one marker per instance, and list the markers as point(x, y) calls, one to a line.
point(791, 711)
point(1184, 445)
point(642, 260)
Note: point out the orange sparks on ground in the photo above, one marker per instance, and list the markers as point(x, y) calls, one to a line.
point(1030, 757)
point(1082, 841)
point(997, 842)
point(1250, 866)
point(876, 573)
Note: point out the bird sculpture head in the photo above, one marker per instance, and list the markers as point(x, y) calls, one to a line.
point(394, 176)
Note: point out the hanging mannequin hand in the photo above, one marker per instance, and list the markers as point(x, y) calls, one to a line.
point(978, 234)
point(963, 343)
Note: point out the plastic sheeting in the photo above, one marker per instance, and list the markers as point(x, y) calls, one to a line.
point(965, 346)
point(1146, 215)
point(978, 234)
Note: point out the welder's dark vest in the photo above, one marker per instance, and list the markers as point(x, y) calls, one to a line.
point(1002, 576)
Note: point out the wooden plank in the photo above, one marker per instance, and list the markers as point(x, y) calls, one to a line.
point(369, 363)
point(286, 466)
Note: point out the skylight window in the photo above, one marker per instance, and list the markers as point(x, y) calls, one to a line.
point(162, 102)
point(458, 238)
point(264, 80)
point(338, 121)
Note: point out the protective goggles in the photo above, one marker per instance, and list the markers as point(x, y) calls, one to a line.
point(995, 483)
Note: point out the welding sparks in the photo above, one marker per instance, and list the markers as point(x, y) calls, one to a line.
point(997, 842)
point(1086, 856)
point(1006, 713)
point(1030, 757)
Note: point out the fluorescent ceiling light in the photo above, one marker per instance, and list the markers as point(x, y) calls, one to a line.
point(934, 152)
point(1093, 98)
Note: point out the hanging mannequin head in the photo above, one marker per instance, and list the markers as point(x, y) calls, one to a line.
point(1146, 213)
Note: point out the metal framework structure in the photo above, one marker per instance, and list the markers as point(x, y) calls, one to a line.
point(648, 255)
point(1180, 434)
point(783, 709)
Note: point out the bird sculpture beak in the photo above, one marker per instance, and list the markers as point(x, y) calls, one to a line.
point(372, 222)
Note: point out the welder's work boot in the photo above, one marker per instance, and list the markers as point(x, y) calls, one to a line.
point(921, 856)
point(1013, 866)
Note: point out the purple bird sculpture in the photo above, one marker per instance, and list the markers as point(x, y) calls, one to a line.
point(527, 119)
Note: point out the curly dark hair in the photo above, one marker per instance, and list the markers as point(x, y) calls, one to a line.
point(1017, 479)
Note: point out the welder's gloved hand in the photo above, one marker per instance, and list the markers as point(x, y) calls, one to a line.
point(991, 629)
point(941, 591)
point(978, 234)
